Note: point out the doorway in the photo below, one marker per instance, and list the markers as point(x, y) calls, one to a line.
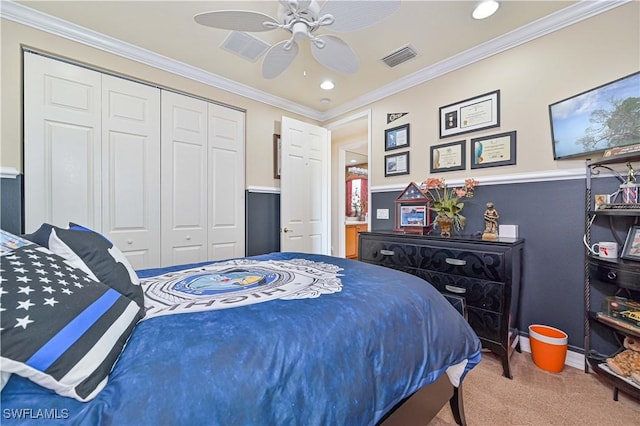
point(348, 135)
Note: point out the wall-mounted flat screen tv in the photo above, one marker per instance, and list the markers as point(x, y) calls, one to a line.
point(601, 118)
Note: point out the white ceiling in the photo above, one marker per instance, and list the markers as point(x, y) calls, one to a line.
point(443, 33)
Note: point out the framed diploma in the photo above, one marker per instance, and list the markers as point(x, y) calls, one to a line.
point(448, 157)
point(396, 138)
point(495, 150)
point(470, 115)
point(396, 164)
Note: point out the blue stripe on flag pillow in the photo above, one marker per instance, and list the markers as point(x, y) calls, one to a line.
point(66, 337)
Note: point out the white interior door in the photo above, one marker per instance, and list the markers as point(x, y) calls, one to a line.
point(226, 183)
point(131, 169)
point(304, 187)
point(184, 179)
point(62, 132)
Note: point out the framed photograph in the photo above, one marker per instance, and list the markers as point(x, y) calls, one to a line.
point(470, 115)
point(494, 150)
point(276, 156)
point(448, 157)
point(580, 125)
point(631, 249)
point(396, 164)
point(397, 137)
point(413, 215)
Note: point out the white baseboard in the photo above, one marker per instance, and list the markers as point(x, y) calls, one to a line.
point(574, 359)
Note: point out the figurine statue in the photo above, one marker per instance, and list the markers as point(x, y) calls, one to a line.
point(631, 175)
point(491, 223)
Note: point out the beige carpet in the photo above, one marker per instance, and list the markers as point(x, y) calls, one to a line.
point(537, 397)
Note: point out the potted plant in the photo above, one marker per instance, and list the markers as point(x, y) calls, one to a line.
point(446, 203)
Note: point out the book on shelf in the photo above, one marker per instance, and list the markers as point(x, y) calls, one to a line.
point(624, 325)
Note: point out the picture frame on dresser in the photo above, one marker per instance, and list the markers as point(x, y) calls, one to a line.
point(631, 249)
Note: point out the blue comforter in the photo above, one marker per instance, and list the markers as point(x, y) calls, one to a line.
point(341, 359)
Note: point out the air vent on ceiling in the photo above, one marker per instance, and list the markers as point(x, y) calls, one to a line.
point(399, 56)
point(245, 45)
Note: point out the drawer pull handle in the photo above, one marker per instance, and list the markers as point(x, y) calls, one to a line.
point(457, 262)
point(454, 289)
point(387, 252)
point(612, 275)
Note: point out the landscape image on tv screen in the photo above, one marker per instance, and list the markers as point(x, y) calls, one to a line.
point(601, 118)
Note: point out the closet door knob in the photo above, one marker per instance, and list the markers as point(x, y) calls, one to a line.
point(129, 241)
point(188, 238)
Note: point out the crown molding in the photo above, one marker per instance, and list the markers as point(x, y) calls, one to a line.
point(568, 16)
point(556, 21)
point(30, 17)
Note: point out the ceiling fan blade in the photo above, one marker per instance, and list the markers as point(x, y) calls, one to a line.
point(336, 55)
point(277, 58)
point(236, 20)
point(355, 15)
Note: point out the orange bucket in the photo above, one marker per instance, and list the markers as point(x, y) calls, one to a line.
point(548, 347)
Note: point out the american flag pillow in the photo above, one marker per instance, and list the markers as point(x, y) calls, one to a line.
point(93, 253)
point(60, 328)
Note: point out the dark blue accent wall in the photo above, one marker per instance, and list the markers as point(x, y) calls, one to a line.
point(263, 223)
point(551, 219)
point(11, 204)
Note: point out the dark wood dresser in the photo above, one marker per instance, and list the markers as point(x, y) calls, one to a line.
point(486, 273)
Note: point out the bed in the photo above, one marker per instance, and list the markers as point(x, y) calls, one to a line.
point(282, 338)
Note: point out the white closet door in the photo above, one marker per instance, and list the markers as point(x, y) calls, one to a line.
point(184, 179)
point(131, 169)
point(61, 144)
point(226, 183)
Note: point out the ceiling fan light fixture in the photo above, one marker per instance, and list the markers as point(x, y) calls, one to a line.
point(327, 85)
point(485, 8)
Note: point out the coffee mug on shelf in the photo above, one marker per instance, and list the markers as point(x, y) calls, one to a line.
point(605, 249)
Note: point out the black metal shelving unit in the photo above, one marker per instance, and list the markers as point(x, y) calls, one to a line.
point(610, 275)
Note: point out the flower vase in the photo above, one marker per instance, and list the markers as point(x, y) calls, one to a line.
point(446, 224)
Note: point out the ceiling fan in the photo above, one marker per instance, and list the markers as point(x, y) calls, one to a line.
point(302, 18)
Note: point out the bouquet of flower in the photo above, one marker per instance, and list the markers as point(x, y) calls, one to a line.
point(446, 201)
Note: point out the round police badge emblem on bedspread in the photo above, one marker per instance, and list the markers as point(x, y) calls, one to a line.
point(237, 283)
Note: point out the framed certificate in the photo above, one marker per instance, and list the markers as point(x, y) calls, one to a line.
point(495, 150)
point(470, 115)
point(396, 164)
point(396, 138)
point(448, 157)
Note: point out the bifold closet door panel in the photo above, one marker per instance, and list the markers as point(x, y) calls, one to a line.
point(62, 132)
point(131, 169)
point(184, 179)
point(226, 170)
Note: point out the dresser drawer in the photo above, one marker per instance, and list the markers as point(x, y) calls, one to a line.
point(614, 273)
point(479, 264)
point(390, 254)
point(488, 295)
point(487, 325)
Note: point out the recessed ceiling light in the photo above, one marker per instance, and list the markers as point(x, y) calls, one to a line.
point(353, 161)
point(327, 85)
point(485, 9)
